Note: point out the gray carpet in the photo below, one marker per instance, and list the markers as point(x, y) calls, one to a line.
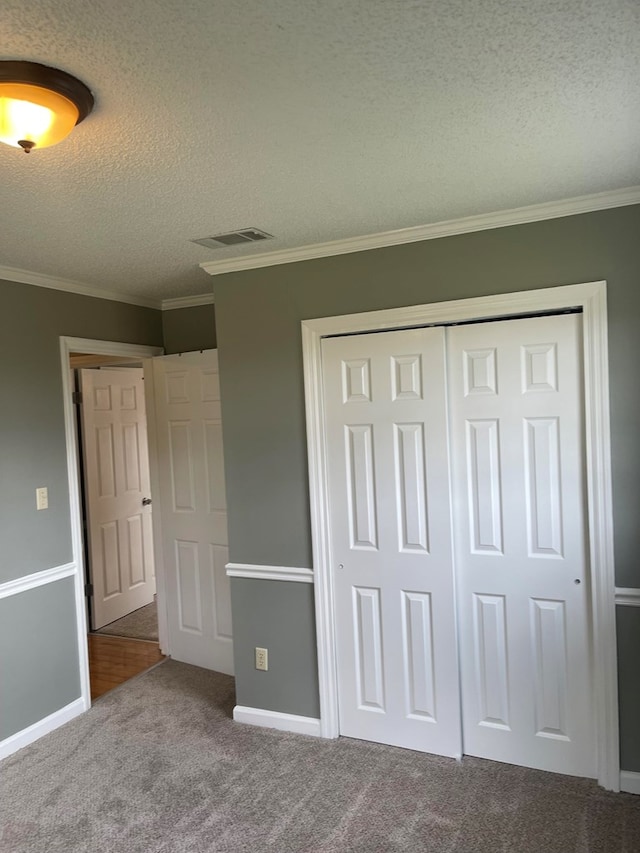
point(158, 765)
point(142, 624)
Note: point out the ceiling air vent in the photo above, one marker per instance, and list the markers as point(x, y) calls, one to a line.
point(233, 238)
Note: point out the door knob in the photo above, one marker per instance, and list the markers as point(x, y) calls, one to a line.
point(146, 501)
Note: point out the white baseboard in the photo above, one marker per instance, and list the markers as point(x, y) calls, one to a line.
point(277, 720)
point(630, 782)
point(20, 739)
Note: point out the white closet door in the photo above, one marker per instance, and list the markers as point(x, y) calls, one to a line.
point(516, 413)
point(116, 469)
point(194, 509)
point(392, 542)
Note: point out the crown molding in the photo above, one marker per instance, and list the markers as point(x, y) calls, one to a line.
point(187, 301)
point(41, 280)
point(449, 228)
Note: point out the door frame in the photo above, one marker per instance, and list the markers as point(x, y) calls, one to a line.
point(591, 297)
point(136, 352)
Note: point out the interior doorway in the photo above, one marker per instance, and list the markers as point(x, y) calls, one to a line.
point(116, 504)
point(455, 477)
point(182, 395)
point(111, 503)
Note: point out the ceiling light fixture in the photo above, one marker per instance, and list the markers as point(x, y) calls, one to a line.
point(39, 106)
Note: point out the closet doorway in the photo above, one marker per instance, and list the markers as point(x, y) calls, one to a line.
point(455, 478)
point(457, 514)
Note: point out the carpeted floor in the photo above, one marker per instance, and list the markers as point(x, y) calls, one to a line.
point(142, 624)
point(158, 765)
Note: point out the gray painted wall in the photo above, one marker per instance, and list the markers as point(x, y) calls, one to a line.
point(188, 329)
point(628, 622)
point(259, 342)
point(39, 669)
point(290, 684)
point(32, 454)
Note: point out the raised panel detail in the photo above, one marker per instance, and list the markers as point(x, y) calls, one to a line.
point(411, 485)
point(136, 550)
point(128, 398)
point(480, 374)
point(542, 469)
point(418, 655)
point(406, 377)
point(219, 557)
point(539, 368)
point(368, 645)
point(189, 599)
point(210, 387)
point(215, 466)
point(356, 381)
point(181, 466)
point(102, 398)
point(489, 617)
point(131, 448)
point(485, 500)
point(176, 386)
point(361, 486)
point(106, 462)
point(110, 547)
point(548, 630)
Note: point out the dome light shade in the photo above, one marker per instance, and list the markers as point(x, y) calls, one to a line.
point(39, 106)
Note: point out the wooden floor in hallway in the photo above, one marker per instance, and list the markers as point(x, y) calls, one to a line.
point(114, 660)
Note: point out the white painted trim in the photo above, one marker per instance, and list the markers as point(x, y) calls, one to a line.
point(591, 297)
point(628, 596)
point(433, 231)
point(118, 348)
point(630, 782)
point(156, 516)
point(187, 301)
point(269, 573)
point(15, 587)
point(43, 727)
point(52, 283)
point(67, 346)
point(277, 720)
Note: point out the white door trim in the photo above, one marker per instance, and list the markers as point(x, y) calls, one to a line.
point(591, 298)
point(67, 346)
point(156, 516)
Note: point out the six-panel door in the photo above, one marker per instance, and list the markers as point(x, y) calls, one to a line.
point(194, 510)
point(116, 469)
point(516, 414)
point(391, 528)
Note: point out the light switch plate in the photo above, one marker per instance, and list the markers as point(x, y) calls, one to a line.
point(42, 498)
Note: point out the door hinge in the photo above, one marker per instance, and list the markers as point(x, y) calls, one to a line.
point(88, 590)
point(76, 397)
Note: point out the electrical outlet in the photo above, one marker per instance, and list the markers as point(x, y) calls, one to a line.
point(42, 498)
point(262, 659)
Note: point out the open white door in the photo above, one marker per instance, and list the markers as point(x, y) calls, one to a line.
point(117, 490)
point(194, 511)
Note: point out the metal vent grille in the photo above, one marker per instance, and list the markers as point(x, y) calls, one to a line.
point(233, 238)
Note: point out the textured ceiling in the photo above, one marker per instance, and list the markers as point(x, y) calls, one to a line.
point(311, 120)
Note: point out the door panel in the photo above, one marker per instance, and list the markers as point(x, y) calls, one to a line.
point(194, 512)
point(391, 530)
point(523, 584)
point(116, 465)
